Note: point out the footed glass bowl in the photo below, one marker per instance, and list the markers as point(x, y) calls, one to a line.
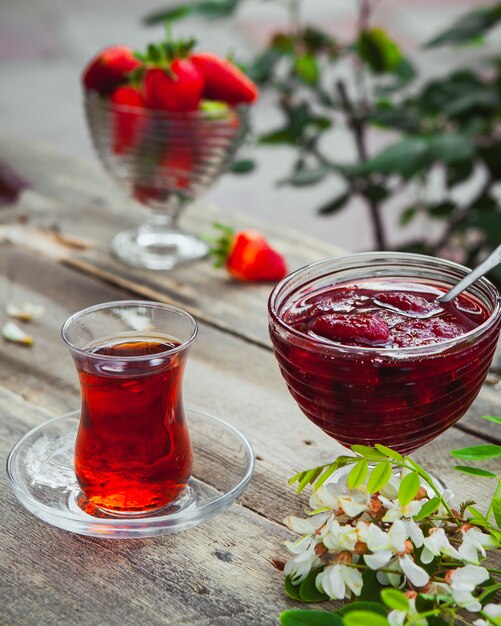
point(164, 161)
point(398, 397)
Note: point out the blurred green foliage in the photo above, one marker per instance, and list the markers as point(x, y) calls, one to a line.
point(450, 125)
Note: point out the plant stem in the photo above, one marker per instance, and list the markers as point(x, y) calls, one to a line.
point(496, 493)
point(357, 125)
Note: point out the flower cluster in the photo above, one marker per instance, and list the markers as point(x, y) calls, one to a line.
point(405, 532)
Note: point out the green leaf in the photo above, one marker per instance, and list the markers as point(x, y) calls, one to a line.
point(378, 51)
point(325, 475)
point(371, 454)
point(168, 15)
point(496, 509)
point(442, 209)
point(298, 617)
point(477, 515)
point(308, 477)
point(373, 607)
point(478, 453)
point(428, 508)
point(476, 471)
point(389, 452)
point(364, 618)
point(371, 589)
point(308, 591)
point(357, 474)
point(409, 486)
point(408, 215)
point(468, 27)
point(380, 475)
point(395, 599)
point(243, 166)
point(459, 172)
point(262, 67)
point(451, 147)
point(281, 135)
point(306, 68)
point(407, 157)
point(291, 590)
point(491, 418)
point(306, 176)
point(335, 205)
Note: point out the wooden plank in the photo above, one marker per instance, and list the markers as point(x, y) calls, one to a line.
point(231, 558)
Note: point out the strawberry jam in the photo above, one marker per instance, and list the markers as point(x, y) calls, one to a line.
point(376, 360)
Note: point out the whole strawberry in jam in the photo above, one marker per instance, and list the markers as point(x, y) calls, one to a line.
point(223, 80)
point(109, 69)
point(248, 256)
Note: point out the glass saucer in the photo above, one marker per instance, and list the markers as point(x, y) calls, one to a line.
point(40, 468)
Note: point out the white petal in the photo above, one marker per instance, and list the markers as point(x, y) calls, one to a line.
point(354, 503)
point(353, 578)
point(493, 610)
point(306, 526)
point(482, 539)
point(327, 496)
point(415, 532)
point(332, 583)
point(468, 577)
point(379, 559)
point(363, 531)
point(12, 332)
point(468, 551)
point(299, 546)
point(464, 599)
point(390, 490)
point(417, 575)
point(397, 536)
point(377, 539)
point(427, 556)
point(397, 618)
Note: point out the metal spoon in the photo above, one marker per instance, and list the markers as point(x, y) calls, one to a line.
point(488, 264)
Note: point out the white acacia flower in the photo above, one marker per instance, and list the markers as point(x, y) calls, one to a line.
point(415, 532)
point(399, 618)
point(335, 497)
point(304, 560)
point(339, 537)
point(493, 611)
point(474, 540)
point(465, 580)
point(436, 544)
point(396, 511)
point(306, 526)
point(390, 490)
point(338, 581)
point(389, 550)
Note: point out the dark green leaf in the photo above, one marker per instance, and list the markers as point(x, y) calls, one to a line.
point(371, 590)
point(389, 116)
point(262, 67)
point(443, 209)
point(376, 193)
point(168, 15)
point(476, 453)
point(373, 607)
point(407, 157)
point(365, 618)
point(305, 177)
point(243, 166)
point(291, 590)
point(496, 509)
point(409, 486)
point(408, 215)
point(282, 135)
point(476, 471)
point(378, 51)
point(357, 474)
point(428, 508)
point(395, 599)
point(379, 477)
point(451, 148)
point(459, 172)
point(335, 205)
point(298, 617)
point(492, 158)
point(308, 591)
point(468, 27)
point(491, 418)
point(306, 68)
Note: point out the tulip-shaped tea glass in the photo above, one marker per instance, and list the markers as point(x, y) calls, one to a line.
point(400, 397)
point(132, 453)
point(164, 160)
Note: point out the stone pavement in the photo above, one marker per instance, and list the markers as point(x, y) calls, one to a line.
point(44, 44)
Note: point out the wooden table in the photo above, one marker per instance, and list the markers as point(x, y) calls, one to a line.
point(227, 570)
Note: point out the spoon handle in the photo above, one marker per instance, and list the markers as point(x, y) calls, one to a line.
point(490, 262)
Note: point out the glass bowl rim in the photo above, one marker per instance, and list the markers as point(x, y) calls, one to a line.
point(330, 346)
point(94, 98)
point(121, 303)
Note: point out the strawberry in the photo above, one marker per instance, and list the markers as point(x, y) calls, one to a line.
point(248, 256)
point(177, 165)
point(223, 80)
point(109, 69)
point(127, 123)
point(178, 88)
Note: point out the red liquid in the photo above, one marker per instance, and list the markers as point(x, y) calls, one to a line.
point(346, 383)
point(133, 451)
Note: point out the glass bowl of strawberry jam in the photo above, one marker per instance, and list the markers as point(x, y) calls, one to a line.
point(371, 358)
